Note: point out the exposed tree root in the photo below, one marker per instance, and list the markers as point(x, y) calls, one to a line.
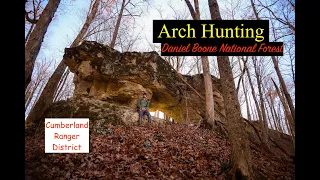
point(281, 148)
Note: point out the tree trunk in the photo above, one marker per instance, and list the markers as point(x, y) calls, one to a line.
point(28, 34)
point(254, 95)
point(240, 153)
point(208, 90)
point(38, 94)
point(272, 114)
point(47, 95)
point(288, 126)
point(254, 10)
point(198, 65)
point(254, 116)
point(116, 29)
point(209, 113)
point(289, 121)
point(58, 88)
point(63, 82)
point(284, 87)
point(288, 117)
point(245, 92)
point(277, 118)
point(36, 37)
point(28, 92)
point(272, 110)
point(268, 118)
point(178, 63)
point(263, 121)
point(286, 109)
point(276, 67)
point(278, 121)
point(36, 84)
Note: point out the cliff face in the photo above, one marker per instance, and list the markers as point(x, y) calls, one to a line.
point(106, 78)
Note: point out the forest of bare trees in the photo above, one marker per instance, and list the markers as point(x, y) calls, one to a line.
point(256, 88)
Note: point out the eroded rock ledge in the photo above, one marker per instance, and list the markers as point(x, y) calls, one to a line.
point(108, 84)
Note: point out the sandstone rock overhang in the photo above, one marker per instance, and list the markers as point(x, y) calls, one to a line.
point(102, 73)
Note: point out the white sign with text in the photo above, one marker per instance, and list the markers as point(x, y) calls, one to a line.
point(66, 135)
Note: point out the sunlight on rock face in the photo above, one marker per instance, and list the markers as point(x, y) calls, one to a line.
point(104, 74)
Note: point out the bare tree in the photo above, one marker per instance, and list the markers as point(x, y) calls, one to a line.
point(253, 110)
point(36, 37)
point(288, 22)
point(39, 78)
point(128, 41)
point(240, 153)
point(253, 93)
point(268, 95)
point(282, 12)
point(209, 113)
point(116, 29)
point(286, 109)
point(284, 87)
point(258, 67)
point(35, 11)
point(47, 95)
point(177, 62)
point(123, 8)
point(244, 91)
point(273, 95)
point(198, 65)
point(101, 28)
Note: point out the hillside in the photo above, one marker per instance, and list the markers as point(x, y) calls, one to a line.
point(173, 151)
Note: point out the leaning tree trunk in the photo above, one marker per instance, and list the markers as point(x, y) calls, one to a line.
point(263, 121)
point(28, 34)
point(36, 37)
point(272, 114)
point(62, 83)
point(38, 94)
point(116, 29)
point(287, 113)
point(47, 95)
point(209, 113)
point(283, 87)
point(29, 98)
point(254, 94)
point(254, 113)
point(286, 109)
point(27, 93)
point(240, 153)
point(276, 67)
point(245, 92)
point(278, 118)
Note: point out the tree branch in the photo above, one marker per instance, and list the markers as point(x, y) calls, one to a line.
point(241, 75)
point(192, 12)
point(32, 21)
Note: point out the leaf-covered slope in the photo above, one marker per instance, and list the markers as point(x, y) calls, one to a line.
point(176, 151)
